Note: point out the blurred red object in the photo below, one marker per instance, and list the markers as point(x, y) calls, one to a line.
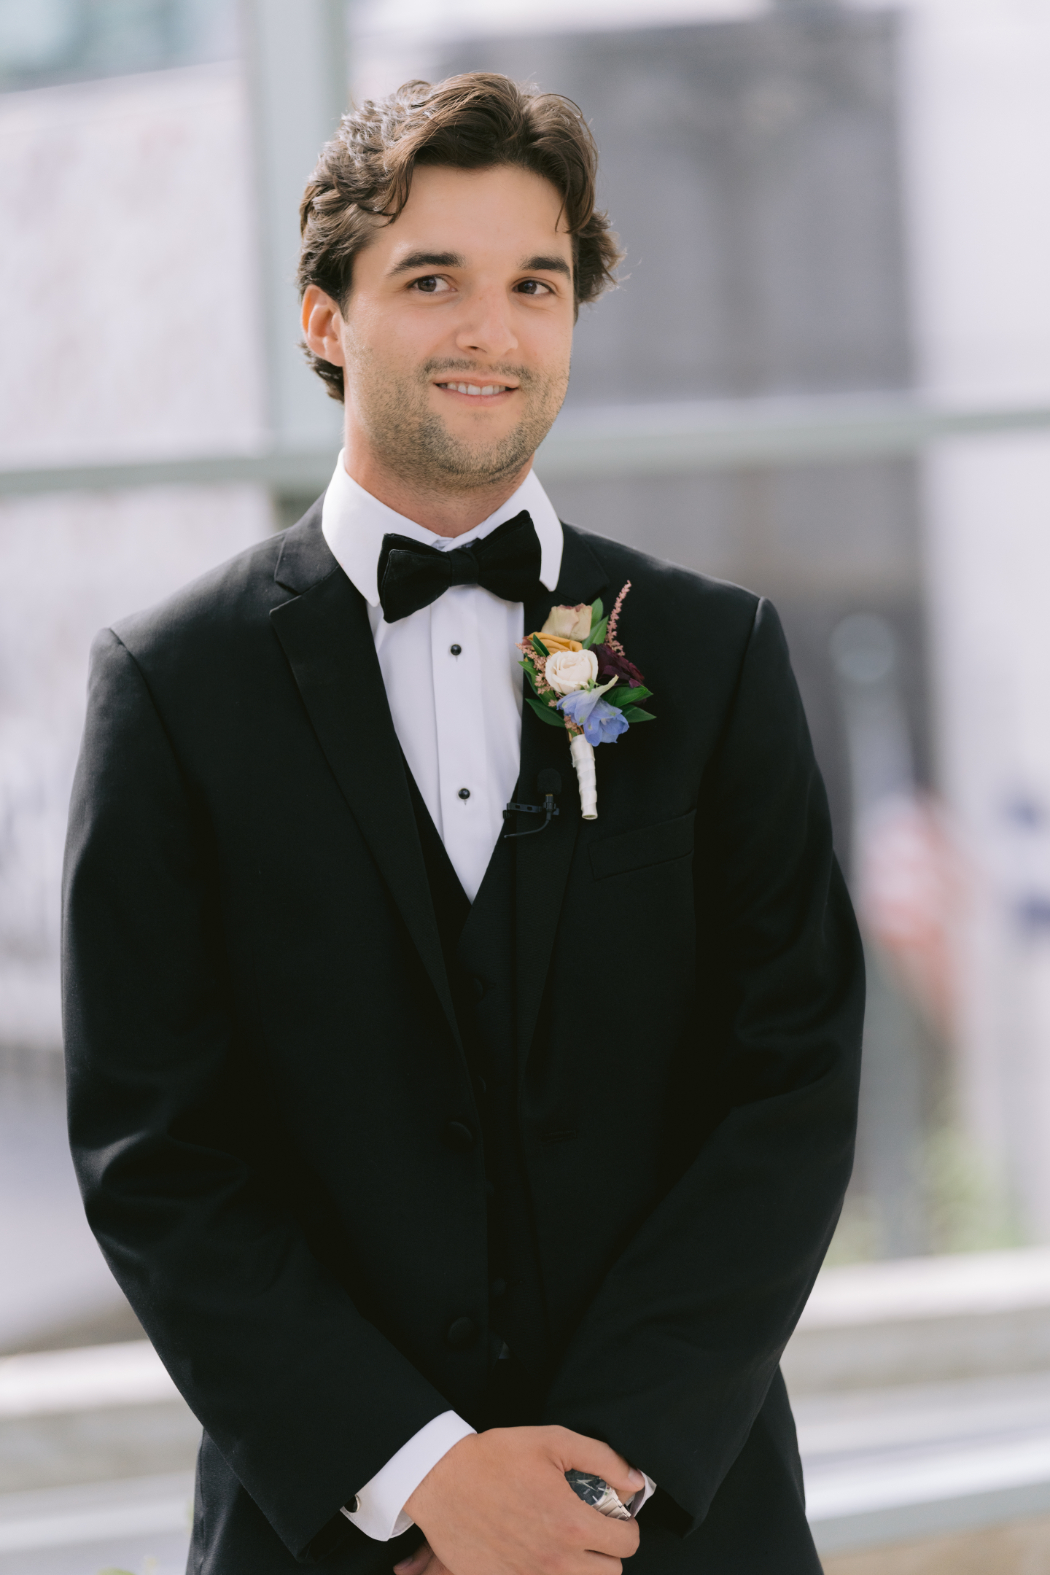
point(909, 883)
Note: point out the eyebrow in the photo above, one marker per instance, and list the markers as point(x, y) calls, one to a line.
point(547, 265)
point(538, 264)
point(428, 260)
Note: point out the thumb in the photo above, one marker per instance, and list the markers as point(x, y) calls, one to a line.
point(415, 1562)
point(576, 1452)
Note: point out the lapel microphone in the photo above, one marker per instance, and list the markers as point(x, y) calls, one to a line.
point(549, 784)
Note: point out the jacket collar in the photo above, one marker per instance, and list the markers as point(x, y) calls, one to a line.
point(543, 862)
point(327, 640)
point(305, 557)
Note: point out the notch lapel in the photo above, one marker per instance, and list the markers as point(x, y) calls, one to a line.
point(543, 862)
point(328, 642)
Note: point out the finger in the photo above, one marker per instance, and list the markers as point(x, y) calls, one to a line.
point(615, 1539)
point(434, 1565)
point(576, 1452)
point(602, 1564)
point(416, 1562)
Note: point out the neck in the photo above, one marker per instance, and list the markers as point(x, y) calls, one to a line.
point(445, 513)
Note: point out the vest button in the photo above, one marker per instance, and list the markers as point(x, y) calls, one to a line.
point(498, 1288)
point(459, 1137)
point(461, 1334)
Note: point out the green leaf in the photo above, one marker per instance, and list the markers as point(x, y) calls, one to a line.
point(596, 610)
point(546, 712)
point(624, 695)
point(634, 713)
point(530, 674)
point(597, 634)
point(538, 645)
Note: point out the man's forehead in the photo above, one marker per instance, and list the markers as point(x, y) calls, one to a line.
point(444, 199)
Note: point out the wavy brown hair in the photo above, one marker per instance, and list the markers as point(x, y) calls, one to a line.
point(469, 122)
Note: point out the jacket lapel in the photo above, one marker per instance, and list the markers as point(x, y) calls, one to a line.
point(542, 862)
point(326, 638)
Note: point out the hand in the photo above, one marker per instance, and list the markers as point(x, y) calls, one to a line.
point(498, 1504)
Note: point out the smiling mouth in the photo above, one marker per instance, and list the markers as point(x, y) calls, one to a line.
point(478, 390)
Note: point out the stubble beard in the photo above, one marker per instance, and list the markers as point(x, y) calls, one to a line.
point(415, 443)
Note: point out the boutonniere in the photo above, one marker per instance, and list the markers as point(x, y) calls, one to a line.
point(582, 681)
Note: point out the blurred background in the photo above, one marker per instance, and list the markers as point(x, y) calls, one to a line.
point(825, 375)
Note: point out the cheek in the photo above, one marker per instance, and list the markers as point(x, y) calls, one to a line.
point(546, 342)
point(402, 342)
point(378, 348)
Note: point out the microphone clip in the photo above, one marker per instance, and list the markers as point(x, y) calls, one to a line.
point(549, 784)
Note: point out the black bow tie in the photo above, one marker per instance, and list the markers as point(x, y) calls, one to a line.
point(506, 562)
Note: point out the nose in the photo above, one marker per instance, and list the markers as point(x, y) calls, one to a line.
point(486, 328)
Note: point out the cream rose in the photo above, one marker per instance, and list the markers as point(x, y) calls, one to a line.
point(567, 671)
point(570, 623)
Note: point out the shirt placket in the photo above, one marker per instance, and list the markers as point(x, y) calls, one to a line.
point(470, 824)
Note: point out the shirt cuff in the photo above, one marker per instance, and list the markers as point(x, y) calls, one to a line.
point(642, 1496)
point(379, 1508)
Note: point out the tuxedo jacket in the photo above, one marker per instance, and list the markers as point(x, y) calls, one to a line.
point(265, 1064)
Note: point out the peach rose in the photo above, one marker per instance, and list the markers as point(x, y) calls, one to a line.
point(568, 623)
point(556, 642)
point(567, 671)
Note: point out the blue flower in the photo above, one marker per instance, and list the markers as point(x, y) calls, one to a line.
point(602, 723)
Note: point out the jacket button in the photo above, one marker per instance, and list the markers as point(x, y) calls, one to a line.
point(461, 1334)
point(479, 986)
point(498, 1288)
point(459, 1137)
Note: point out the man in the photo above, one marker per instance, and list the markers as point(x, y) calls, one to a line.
point(439, 1162)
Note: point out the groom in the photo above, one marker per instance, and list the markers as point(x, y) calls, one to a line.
point(438, 1159)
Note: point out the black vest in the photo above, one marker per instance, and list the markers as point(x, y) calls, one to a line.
point(478, 941)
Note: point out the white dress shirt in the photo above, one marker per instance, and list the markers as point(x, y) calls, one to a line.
point(451, 669)
point(455, 691)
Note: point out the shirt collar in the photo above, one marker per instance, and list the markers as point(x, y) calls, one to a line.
point(354, 523)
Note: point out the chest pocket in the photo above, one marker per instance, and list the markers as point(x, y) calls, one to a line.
point(635, 850)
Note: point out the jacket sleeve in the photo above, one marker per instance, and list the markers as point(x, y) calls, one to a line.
point(694, 1314)
point(304, 1398)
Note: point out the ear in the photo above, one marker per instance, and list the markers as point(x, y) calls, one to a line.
point(323, 325)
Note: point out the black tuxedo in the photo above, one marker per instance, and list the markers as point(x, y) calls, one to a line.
point(306, 1114)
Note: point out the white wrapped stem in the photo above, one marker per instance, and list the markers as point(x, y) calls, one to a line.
point(583, 759)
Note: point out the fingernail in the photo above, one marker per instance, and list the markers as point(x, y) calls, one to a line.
point(635, 1479)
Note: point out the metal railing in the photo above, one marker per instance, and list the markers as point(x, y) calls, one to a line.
point(615, 440)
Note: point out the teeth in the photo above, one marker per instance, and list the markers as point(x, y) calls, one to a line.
point(472, 388)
